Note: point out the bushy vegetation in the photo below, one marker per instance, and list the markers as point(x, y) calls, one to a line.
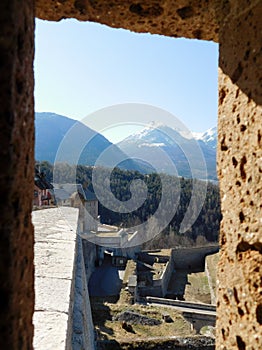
point(205, 229)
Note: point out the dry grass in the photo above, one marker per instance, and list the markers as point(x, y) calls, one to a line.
point(103, 312)
point(197, 289)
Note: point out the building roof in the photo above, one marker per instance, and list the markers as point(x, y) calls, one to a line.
point(41, 181)
point(90, 196)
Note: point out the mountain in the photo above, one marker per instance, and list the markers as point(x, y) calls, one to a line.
point(166, 147)
point(52, 131)
point(209, 137)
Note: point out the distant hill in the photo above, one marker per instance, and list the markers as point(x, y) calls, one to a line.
point(149, 142)
point(51, 130)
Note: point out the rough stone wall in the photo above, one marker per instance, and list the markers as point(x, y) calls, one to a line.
point(239, 324)
point(16, 177)
point(236, 25)
point(188, 18)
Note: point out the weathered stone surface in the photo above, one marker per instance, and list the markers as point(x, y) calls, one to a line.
point(54, 258)
point(240, 170)
point(191, 19)
point(236, 25)
point(62, 317)
point(51, 337)
point(16, 179)
point(55, 244)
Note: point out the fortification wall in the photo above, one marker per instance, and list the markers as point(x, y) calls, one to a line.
point(192, 258)
point(83, 328)
point(160, 285)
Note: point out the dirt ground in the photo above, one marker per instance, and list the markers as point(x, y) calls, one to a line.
point(104, 310)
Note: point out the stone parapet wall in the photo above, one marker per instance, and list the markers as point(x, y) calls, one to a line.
point(55, 243)
point(62, 317)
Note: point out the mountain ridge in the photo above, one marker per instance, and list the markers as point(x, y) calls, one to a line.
point(185, 149)
point(80, 144)
point(176, 146)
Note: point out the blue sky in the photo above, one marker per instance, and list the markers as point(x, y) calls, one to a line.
point(81, 67)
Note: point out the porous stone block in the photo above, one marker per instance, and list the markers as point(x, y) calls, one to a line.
point(16, 176)
point(239, 312)
point(191, 19)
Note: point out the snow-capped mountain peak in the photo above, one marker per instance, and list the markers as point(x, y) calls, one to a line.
point(146, 143)
point(150, 131)
point(209, 137)
point(197, 135)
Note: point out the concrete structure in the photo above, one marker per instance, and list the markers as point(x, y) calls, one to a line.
point(236, 25)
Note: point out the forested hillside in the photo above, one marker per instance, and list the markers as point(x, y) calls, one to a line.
point(205, 228)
